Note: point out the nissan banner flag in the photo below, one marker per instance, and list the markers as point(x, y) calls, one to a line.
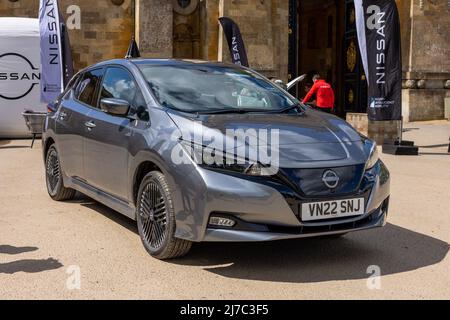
point(378, 28)
point(235, 41)
point(56, 60)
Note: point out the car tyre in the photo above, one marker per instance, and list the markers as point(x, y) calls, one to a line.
point(54, 179)
point(155, 217)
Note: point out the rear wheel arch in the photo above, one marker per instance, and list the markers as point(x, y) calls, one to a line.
point(53, 175)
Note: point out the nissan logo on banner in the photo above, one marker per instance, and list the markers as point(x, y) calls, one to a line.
point(378, 27)
point(18, 77)
point(235, 41)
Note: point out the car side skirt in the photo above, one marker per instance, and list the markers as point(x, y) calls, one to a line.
point(101, 196)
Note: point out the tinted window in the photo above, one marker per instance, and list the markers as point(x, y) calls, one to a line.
point(86, 88)
point(120, 84)
point(208, 88)
point(70, 86)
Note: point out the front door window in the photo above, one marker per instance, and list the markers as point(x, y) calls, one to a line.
point(120, 84)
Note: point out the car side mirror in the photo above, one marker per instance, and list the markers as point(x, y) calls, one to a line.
point(115, 107)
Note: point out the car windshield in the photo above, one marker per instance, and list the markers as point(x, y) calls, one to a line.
point(210, 89)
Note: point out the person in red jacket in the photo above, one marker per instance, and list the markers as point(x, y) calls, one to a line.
point(324, 92)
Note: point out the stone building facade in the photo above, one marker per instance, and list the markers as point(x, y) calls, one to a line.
point(284, 38)
point(166, 28)
point(426, 57)
point(105, 28)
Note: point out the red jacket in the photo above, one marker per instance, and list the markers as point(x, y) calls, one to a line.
point(325, 94)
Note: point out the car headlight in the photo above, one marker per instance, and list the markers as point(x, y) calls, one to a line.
point(373, 157)
point(214, 159)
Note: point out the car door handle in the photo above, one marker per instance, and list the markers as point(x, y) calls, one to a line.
point(90, 124)
point(63, 115)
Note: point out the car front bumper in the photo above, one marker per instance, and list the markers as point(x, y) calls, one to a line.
point(377, 219)
point(263, 211)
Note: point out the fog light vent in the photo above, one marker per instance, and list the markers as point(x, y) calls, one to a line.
point(221, 222)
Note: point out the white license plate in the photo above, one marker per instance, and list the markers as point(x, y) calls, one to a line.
point(332, 209)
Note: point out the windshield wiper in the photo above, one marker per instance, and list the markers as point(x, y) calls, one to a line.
point(226, 111)
point(297, 107)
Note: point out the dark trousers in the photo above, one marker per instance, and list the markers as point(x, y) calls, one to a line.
point(327, 110)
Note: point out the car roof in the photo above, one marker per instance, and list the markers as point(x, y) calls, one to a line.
point(176, 62)
point(164, 62)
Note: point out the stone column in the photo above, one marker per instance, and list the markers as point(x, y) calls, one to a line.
point(210, 29)
point(154, 28)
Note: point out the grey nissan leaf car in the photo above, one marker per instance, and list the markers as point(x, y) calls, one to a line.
point(200, 151)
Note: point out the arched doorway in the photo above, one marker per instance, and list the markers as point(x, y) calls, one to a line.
point(354, 98)
point(323, 40)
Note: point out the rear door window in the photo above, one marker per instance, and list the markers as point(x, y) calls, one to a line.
point(70, 86)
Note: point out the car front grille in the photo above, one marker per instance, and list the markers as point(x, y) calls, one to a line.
point(308, 182)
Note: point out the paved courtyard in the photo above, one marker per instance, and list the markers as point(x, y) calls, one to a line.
point(43, 243)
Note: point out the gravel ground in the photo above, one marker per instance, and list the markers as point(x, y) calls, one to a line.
point(44, 244)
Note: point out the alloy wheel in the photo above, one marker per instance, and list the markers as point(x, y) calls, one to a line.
point(153, 215)
point(53, 172)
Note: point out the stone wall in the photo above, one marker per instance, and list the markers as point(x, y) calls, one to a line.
point(264, 27)
point(423, 104)
point(106, 29)
point(154, 28)
point(359, 121)
point(425, 29)
point(404, 8)
point(105, 33)
point(380, 131)
point(280, 29)
point(24, 8)
point(187, 33)
point(430, 36)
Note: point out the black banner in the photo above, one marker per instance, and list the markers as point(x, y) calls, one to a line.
point(67, 61)
point(133, 50)
point(235, 41)
point(378, 27)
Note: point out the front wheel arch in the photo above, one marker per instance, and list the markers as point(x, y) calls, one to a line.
point(156, 220)
point(141, 171)
point(48, 143)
